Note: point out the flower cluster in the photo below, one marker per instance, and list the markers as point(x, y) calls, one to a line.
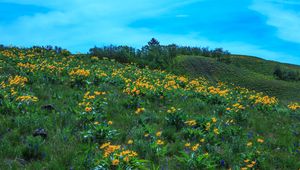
point(294, 106)
point(79, 72)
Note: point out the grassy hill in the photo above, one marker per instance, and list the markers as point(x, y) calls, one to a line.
point(250, 72)
point(62, 111)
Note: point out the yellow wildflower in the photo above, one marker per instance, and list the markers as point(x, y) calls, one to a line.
point(187, 144)
point(158, 133)
point(160, 142)
point(115, 162)
point(260, 140)
point(130, 141)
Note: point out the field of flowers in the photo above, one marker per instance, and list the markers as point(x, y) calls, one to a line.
point(62, 111)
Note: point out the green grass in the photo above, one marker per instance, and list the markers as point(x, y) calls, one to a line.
point(250, 72)
point(76, 133)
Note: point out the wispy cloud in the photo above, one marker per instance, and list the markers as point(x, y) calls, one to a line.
point(286, 21)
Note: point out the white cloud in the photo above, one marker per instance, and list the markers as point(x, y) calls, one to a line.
point(287, 22)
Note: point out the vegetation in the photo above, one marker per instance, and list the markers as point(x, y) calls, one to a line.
point(155, 55)
point(286, 74)
point(63, 111)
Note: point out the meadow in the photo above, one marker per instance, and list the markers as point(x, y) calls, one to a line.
point(64, 111)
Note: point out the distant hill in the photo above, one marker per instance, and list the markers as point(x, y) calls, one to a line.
point(246, 71)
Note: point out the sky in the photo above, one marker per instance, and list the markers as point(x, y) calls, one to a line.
point(269, 29)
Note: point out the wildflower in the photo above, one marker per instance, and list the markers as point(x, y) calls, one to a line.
point(115, 162)
point(171, 110)
point(158, 133)
point(260, 140)
point(130, 142)
point(27, 98)
point(207, 126)
point(249, 144)
point(126, 159)
point(104, 145)
point(214, 120)
point(160, 142)
point(88, 109)
point(195, 147)
point(96, 123)
point(187, 145)
point(110, 122)
point(216, 131)
point(246, 160)
point(146, 134)
point(294, 106)
point(191, 122)
point(250, 165)
point(80, 72)
point(110, 149)
point(17, 80)
point(139, 110)
point(202, 140)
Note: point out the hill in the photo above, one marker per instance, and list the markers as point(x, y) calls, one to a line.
point(64, 111)
point(250, 72)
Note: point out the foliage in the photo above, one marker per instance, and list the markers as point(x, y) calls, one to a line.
point(101, 114)
point(286, 74)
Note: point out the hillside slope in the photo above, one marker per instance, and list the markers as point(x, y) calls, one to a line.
point(61, 111)
point(249, 72)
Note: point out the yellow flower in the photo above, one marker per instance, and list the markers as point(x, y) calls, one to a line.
point(139, 110)
point(191, 122)
point(110, 122)
point(27, 99)
point(158, 133)
point(246, 160)
point(80, 72)
point(214, 120)
point(260, 140)
point(104, 145)
point(160, 142)
point(126, 159)
point(17, 80)
point(250, 165)
point(249, 144)
point(195, 147)
point(96, 123)
point(88, 109)
point(130, 142)
point(202, 140)
point(146, 134)
point(216, 131)
point(187, 145)
point(207, 126)
point(115, 162)
point(294, 106)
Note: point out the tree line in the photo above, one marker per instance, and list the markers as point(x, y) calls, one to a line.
point(155, 55)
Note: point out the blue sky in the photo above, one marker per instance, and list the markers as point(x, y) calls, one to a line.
point(265, 28)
